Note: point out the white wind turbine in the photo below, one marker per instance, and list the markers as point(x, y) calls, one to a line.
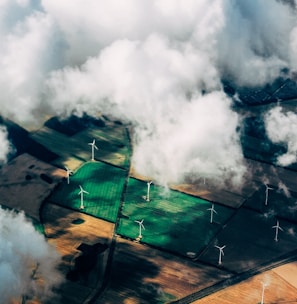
point(81, 193)
point(93, 146)
point(266, 193)
point(221, 253)
point(263, 291)
point(69, 172)
point(212, 211)
point(141, 226)
point(148, 191)
point(277, 227)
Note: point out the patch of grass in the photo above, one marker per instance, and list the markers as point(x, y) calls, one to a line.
point(173, 220)
point(104, 184)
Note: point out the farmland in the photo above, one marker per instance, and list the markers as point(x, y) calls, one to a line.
point(174, 258)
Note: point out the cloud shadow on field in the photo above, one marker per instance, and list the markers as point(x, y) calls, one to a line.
point(132, 277)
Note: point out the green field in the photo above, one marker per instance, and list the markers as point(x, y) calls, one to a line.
point(104, 184)
point(173, 220)
point(112, 142)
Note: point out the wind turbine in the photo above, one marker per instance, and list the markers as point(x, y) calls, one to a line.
point(81, 193)
point(141, 226)
point(221, 253)
point(69, 172)
point(93, 145)
point(148, 191)
point(212, 211)
point(263, 290)
point(266, 193)
point(277, 227)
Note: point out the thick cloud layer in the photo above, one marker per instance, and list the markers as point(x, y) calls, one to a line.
point(281, 129)
point(178, 131)
point(156, 64)
point(29, 49)
point(27, 262)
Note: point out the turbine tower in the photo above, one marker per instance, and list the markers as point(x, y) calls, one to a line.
point(266, 193)
point(81, 193)
point(212, 211)
point(69, 172)
point(141, 226)
point(263, 291)
point(221, 253)
point(148, 191)
point(93, 147)
point(277, 227)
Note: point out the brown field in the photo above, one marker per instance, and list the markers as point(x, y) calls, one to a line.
point(141, 274)
point(279, 289)
point(22, 186)
point(66, 230)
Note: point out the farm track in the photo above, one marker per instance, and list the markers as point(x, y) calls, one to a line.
point(98, 292)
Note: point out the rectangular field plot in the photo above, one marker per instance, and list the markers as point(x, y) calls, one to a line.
point(250, 242)
point(172, 220)
point(112, 142)
point(103, 184)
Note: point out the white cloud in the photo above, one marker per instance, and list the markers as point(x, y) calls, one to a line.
point(29, 41)
point(5, 146)
point(178, 131)
point(146, 62)
point(281, 129)
point(22, 249)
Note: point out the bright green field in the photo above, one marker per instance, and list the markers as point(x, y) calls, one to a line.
point(104, 184)
point(174, 221)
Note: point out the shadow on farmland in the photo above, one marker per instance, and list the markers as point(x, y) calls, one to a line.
point(71, 139)
point(23, 143)
point(280, 202)
point(250, 242)
point(173, 221)
point(57, 220)
point(83, 272)
point(73, 124)
point(132, 276)
point(85, 263)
